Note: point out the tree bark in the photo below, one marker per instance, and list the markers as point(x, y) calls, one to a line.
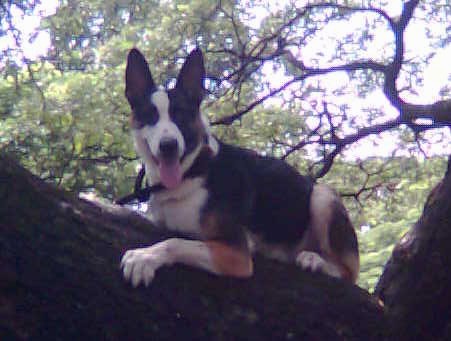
point(416, 283)
point(60, 279)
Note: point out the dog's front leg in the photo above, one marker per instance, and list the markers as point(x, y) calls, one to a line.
point(139, 265)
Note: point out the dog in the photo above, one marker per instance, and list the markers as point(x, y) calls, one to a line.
point(229, 201)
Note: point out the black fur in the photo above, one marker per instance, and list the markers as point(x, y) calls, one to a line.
point(264, 194)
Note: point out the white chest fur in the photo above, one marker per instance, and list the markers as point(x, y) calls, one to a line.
point(179, 209)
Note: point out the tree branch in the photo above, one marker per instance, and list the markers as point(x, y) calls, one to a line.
point(439, 112)
point(60, 279)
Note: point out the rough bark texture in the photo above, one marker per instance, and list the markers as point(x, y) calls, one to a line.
point(416, 283)
point(60, 279)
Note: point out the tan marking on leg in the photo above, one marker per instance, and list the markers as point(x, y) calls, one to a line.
point(229, 260)
point(349, 266)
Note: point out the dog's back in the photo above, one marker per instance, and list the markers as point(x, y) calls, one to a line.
point(285, 213)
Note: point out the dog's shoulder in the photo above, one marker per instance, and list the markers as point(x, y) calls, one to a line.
point(244, 177)
point(229, 179)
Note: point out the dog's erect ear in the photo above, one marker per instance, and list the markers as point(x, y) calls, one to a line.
point(191, 77)
point(138, 80)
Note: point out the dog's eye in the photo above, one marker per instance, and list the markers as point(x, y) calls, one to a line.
point(146, 115)
point(152, 116)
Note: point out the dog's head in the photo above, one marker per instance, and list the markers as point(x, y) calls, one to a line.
point(167, 126)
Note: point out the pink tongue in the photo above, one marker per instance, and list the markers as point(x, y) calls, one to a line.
point(170, 173)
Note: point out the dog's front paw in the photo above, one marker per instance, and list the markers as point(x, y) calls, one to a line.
point(139, 265)
point(310, 261)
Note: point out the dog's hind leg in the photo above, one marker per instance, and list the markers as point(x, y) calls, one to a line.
point(335, 248)
point(139, 265)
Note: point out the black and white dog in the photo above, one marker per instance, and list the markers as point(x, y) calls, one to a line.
point(230, 200)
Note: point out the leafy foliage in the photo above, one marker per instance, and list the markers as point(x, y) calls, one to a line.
point(390, 213)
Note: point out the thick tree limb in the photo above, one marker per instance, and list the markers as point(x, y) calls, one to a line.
point(438, 112)
point(60, 279)
point(416, 280)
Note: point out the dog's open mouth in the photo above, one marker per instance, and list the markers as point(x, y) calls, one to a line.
point(170, 171)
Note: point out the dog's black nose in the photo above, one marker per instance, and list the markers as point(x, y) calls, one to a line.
point(168, 148)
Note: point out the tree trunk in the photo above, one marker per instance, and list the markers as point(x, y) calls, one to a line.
point(416, 283)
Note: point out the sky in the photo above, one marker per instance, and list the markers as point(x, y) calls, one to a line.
point(436, 74)
point(28, 25)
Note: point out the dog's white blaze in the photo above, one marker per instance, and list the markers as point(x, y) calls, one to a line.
point(164, 126)
point(161, 100)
